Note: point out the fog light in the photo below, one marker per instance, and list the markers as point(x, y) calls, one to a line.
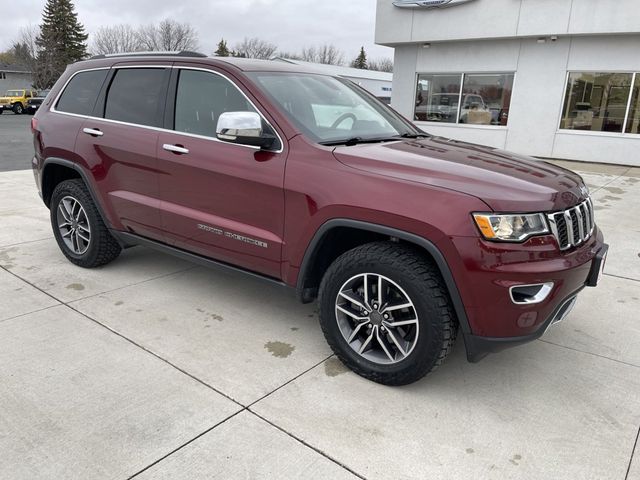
point(527, 319)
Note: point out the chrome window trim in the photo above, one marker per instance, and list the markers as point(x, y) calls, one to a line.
point(166, 130)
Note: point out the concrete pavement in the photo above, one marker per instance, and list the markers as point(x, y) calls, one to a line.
point(151, 367)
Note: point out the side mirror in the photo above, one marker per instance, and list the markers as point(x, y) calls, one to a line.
point(244, 128)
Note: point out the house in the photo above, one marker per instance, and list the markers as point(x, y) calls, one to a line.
point(14, 76)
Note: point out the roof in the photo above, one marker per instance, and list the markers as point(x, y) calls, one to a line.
point(340, 70)
point(13, 68)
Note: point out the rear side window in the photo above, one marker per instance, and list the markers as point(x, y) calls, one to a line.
point(136, 95)
point(81, 93)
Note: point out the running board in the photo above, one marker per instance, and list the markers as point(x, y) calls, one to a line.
point(129, 239)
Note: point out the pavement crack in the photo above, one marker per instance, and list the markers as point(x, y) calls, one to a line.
point(185, 444)
point(589, 353)
point(635, 445)
point(315, 449)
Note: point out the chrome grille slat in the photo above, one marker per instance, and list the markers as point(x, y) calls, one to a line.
point(574, 226)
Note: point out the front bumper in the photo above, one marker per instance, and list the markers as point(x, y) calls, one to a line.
point(490, 270)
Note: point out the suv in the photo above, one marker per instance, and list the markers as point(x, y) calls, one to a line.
point(404, 238)
point(16, 100)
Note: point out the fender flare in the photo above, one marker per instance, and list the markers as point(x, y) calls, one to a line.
point(427, 245)
point(83, 175)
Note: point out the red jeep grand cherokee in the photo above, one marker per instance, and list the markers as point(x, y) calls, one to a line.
point(308, 181)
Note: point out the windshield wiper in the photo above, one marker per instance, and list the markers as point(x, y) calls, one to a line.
point(414, 135)
point(350, 142)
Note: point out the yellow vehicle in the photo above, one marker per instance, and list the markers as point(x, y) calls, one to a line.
point(16, 100)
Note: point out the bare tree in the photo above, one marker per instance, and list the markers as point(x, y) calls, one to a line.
point(327, 54)
point(381, 65)
point(255, 48)
point(24, 49)
point(168, 35)
point(116, 39)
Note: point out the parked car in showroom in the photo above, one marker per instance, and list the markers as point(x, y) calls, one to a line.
point(33, 104)
point(16, 100)
point(403, 238)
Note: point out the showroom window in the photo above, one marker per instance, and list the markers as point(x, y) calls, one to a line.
point(602, 102)
point(471, 98)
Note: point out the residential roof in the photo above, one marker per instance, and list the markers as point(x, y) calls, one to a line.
point(13, 68)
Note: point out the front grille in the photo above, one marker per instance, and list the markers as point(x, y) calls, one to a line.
point(574, 226)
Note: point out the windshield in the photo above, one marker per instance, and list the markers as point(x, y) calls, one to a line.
point(14, 93)
point(331, 110)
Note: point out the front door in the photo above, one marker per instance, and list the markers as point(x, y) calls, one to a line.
point(221, 200)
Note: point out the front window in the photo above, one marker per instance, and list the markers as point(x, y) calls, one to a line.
point(599, 101)
point(14, 93)
point(331, 110)
point(479, 99)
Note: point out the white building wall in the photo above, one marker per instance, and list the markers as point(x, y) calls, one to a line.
point(538, 92)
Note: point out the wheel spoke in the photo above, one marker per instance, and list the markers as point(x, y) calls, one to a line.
point(78, 234)
point(356, 331)
point(380, 290)
point(399, 306)
point(351, 314)
point(63, 225)
point(384, 347)
point(82, 227)
point(395, 341)
point(62, 208)
point(67, 233)
point(400, 323)
point(348, 295)
point(367, 341)
point(366, 289)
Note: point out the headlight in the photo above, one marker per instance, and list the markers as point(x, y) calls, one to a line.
point(510, 228)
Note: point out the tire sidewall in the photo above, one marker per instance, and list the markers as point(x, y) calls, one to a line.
point(71, 188)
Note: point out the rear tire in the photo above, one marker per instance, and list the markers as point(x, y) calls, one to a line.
point(78, 227)
point(18, 109)
point(369, 332)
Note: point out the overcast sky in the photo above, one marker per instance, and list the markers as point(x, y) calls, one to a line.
point(291, 24)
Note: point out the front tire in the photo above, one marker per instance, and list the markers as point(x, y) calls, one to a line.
point(386, 313)
point(78, 227)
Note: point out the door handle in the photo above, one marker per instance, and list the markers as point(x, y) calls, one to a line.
point(177, 149)
point(94, 132)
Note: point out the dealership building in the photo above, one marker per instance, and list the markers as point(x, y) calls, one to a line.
point(550, 78)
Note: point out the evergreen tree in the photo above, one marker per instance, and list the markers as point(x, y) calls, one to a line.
point(223, 50)
point(62, 41)
point(361, 60)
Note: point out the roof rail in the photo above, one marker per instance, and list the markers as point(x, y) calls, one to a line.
point(182, 53)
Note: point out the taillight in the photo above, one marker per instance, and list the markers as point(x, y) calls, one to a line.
point(34, 125)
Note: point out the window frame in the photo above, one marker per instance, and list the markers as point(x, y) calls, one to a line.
point(54, 104)
point(169, 115)
point(101, 102)
point(635, 77)
point(462, 75)
point(171, 92)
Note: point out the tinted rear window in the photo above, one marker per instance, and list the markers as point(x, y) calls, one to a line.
point(81, 93)
point(136, 95)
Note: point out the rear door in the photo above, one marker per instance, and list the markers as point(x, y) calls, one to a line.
point(119, 144)
point(220, 199)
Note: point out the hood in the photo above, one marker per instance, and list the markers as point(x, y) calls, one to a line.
point(506, 182)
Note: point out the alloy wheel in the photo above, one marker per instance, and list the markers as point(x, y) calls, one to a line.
point(377, 318)
point(73, 225)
